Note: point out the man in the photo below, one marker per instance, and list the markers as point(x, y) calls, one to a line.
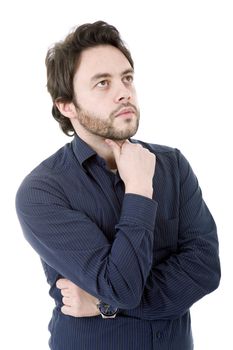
point(126, 241)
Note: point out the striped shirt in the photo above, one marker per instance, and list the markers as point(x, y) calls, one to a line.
point(151, 258)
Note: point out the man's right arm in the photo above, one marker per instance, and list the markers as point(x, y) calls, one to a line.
point(68, 241)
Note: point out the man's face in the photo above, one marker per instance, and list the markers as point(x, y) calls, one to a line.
point(106, 102)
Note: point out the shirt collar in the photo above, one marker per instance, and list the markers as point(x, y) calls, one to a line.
point(82, 150)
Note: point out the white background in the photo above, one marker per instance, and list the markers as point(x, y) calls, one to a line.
point(184, 77)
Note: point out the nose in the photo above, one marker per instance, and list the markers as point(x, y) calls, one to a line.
point(123, 93)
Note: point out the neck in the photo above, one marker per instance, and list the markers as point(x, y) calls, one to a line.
point(98, 144)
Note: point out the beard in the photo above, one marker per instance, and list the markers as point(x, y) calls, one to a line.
point(105, 127)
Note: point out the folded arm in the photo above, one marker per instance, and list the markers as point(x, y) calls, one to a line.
point(74, 246)
point(193, 270)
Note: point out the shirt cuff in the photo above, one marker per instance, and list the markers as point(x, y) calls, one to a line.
point(140, 209)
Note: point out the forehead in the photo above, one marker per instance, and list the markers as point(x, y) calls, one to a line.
point(102, 58)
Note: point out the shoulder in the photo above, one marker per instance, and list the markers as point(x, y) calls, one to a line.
point(161, 151)
point(155, 148)
point(47, 177)
point(56, 163)
point(166, 156)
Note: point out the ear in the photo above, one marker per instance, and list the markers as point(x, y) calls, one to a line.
point(66, 108)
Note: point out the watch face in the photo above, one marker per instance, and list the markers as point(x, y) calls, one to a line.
point(107, 310)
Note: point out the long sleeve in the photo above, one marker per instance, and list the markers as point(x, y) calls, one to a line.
point(73, 245)
point(193, 270)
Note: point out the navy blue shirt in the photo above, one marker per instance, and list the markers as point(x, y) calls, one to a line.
point(152, 258)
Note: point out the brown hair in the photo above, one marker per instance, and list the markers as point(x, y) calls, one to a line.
point(62, 58)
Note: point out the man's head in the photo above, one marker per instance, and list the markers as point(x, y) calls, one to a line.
point(90, 79)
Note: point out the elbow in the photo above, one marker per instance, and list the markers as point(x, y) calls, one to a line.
point(128, 303)
point(127, 298)
point(215, 280)
point(214, 277)
point(125, 292)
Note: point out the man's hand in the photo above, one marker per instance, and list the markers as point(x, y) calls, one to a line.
point(136, 166)
point(77, 302)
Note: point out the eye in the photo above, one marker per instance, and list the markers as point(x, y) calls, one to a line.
point(128, 79)
point(102, 83)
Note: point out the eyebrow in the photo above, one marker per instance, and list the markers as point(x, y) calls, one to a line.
point(108, 75)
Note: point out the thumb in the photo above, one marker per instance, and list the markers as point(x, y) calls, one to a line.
point(116, 149)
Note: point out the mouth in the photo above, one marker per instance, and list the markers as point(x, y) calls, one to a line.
point(126, 112)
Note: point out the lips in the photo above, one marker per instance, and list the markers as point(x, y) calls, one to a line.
point(125, 111)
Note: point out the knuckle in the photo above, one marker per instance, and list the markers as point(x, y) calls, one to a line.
point(152, 155)
point(64, 310)
point(58, 284)
point(67, 283)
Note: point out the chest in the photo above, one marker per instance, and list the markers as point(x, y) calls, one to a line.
point(100, 195)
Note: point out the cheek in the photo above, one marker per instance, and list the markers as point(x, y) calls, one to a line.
point(100, 105)
point(134, 97)
point(97, 108)
point(86, 102)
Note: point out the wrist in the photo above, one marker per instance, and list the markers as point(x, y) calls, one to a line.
point(106, 310)
point(142, 191)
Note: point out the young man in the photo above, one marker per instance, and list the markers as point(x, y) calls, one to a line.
point(126, 241)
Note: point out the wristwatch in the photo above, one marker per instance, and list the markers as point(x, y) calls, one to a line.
point(106, 310)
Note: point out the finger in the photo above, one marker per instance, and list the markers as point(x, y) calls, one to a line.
point(127, 142)
point(65, 292)
point(62, 283)
point(66, 310)
point(66, 301)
